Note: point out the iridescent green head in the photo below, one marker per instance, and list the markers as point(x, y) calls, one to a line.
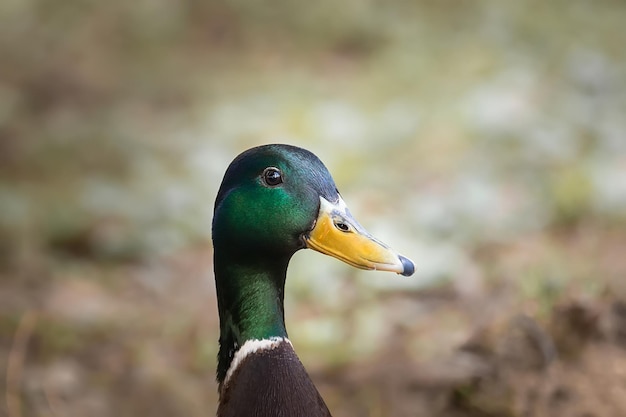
point(269, 199)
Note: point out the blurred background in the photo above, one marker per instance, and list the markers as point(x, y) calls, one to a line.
point(485, 140)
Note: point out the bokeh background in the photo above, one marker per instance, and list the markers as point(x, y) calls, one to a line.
point(486, 140)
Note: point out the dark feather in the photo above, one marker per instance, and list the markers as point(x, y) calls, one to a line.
point(271, 383)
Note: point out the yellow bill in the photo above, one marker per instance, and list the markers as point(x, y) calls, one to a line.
point(338, 234)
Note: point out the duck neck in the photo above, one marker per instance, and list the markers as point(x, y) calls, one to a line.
point(250, 298)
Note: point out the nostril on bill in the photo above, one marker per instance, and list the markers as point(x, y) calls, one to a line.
point(342, 226)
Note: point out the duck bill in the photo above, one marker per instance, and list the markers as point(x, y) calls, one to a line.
point(338, 234)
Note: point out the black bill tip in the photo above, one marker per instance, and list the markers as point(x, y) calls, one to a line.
point(407, 265)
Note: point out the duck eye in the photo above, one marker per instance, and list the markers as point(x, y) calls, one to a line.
point(272, 177)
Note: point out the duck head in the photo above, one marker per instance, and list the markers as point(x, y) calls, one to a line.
point(277, 199)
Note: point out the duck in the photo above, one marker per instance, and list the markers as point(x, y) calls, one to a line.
point(273, 201)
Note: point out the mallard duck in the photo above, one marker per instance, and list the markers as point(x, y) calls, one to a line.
point(273, 201)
